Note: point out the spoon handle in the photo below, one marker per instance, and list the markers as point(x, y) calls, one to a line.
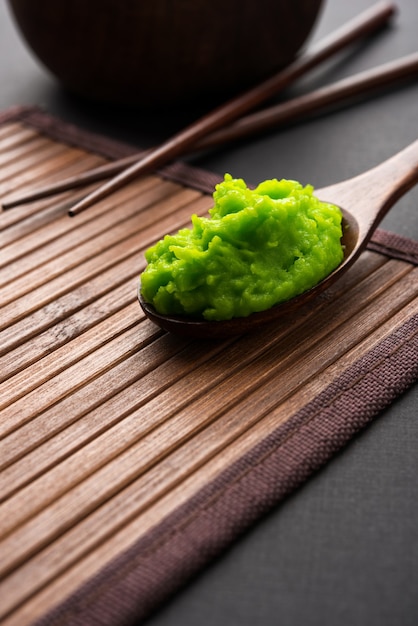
point(371, 194)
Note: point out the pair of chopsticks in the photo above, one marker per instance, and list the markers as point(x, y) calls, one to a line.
point(229, 122)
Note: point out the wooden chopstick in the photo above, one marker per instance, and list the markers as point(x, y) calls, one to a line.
point(292, 110)
point(209, 126)
point(298, 108)
point(73, 182)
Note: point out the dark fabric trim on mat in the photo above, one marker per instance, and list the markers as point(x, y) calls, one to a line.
point(135, 583)
point(72, 135)
point(394, 246)
point(15, 113)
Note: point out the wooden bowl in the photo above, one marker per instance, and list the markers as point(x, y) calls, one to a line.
point(161, 52)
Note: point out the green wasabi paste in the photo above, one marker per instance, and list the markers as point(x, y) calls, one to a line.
point(258, 248)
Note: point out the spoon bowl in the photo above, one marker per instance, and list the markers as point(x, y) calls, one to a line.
point(364, 201)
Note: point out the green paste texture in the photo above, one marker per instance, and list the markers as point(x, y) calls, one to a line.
point(259, 247)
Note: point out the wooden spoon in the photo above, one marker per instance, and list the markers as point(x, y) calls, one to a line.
point(364, 201)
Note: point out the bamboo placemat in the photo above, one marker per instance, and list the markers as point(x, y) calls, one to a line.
point(130, 457)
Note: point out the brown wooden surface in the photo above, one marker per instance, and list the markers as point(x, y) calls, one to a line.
point(106, 423)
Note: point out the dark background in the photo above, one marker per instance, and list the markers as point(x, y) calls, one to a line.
point(344, 548)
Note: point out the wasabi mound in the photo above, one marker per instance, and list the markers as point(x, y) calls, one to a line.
point(259, 247)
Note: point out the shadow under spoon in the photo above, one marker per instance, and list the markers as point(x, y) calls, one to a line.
point(364, 201)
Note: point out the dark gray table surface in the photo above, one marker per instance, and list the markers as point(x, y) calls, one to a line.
point(344, 548)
